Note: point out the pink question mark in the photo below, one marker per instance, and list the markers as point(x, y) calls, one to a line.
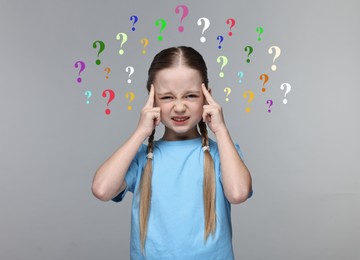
point(232, 21)
point(82, 67)
point(184, 14)
point(112, 96)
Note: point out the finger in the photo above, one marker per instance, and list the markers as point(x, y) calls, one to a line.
point(156, 117)
point(150, 101)
point(206, 116)
point(207, 95)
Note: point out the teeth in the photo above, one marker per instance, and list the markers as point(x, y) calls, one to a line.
point(179, 119)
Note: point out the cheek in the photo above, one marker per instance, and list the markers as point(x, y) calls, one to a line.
point(164, 108)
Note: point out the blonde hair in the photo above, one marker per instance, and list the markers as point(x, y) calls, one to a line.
point(165, 59)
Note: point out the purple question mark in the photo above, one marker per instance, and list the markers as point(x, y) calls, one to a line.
point(270, 102)
point(82, 67)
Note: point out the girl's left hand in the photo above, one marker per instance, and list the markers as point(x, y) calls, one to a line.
point(212, 114)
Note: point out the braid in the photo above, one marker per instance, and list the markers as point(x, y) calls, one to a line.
point(145, 191)
point(204, 135)
point(209, 184)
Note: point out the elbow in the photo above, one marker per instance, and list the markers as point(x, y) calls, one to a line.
point(100, 193)
point(240, 196)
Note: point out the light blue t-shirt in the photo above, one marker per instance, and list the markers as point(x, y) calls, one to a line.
point(176, 219)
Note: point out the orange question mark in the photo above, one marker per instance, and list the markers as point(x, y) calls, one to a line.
point(107, 70)
point(264, 77)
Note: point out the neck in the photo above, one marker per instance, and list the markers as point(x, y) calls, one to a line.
point(171, 136)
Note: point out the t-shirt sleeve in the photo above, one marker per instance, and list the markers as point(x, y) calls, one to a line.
point(132, 173)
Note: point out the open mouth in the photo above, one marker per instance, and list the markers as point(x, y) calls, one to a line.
point(180, 119)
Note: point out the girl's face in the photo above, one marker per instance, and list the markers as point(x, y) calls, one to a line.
point(178, 94)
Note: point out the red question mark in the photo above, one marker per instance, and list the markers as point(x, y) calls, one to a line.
point(232, 21)
point(112, 96)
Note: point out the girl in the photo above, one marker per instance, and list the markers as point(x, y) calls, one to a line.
point(184, 183)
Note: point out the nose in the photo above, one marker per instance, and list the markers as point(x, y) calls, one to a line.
point(179, 107)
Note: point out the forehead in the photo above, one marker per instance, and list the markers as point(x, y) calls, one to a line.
point(180, 78)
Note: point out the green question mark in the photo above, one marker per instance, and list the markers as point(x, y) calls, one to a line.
point(102, 47)
point(163, 26)
point(250, 50)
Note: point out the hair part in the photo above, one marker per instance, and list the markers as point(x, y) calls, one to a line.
point(176, 56)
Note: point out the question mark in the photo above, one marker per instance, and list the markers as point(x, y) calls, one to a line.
point(88, 94)
point(288, 88)
point(145, 42)
point(184, 14)
point(232, 21)
point(130, 96)
point(269, 101)
point(124, 37)
point(162, 27)
point(131, 72)
point(107, 70)
point(277, 54)
point(228, 91)
point(101, 48)
point(259, 30)
point(240, 74)
point(111, 97)
point(82, 67)
point(135, 18)
point(224, 61)
point(220, 39)
point(264, 77)
point(250, 50)
point(251, 97)
point(206, 26)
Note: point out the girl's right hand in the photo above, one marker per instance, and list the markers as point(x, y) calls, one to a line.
point(150, 115)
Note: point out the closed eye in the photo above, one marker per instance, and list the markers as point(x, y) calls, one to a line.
point(191, 96)
point(165, 97)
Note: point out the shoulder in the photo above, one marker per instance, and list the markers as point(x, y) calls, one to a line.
point(141, 153)
point(215, 151)
point(213, 145)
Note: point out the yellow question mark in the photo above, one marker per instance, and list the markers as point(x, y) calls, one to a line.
point(130, 96)
point(251, 97)
point(144, 42)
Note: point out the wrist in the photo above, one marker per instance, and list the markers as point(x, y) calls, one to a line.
point(222, 131)
point(140, 134)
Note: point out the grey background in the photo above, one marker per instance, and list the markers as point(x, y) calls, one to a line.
point(302, 156)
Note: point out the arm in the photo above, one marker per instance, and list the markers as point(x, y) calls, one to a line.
point(109, 178)
point(236, 177)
